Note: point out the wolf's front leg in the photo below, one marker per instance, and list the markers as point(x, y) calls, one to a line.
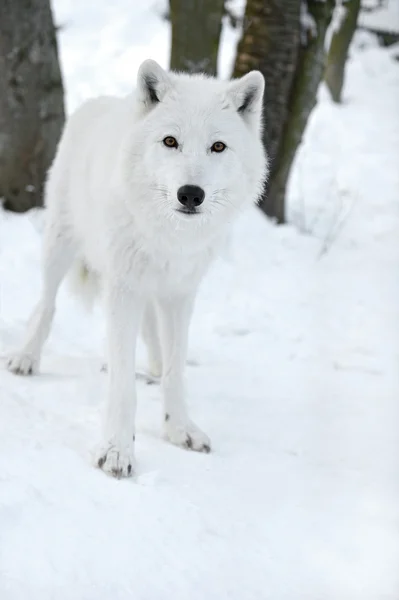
point(123, 313)
point(174, 320)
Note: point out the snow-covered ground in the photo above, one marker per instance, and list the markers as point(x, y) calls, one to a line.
point(294, 374)
point(384, 15)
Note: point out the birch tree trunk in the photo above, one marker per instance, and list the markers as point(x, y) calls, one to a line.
point(196, 28)
point(31, 100)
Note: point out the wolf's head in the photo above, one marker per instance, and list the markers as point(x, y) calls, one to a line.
point(200, 148)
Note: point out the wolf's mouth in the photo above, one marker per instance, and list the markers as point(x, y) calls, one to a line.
point(188, 211)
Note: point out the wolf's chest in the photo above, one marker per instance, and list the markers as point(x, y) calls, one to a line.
point(170, 274)
point(158, 268)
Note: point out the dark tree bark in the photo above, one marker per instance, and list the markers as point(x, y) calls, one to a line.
point(301, 101)
point(196, 28)
point(270, 43)
point(293, 67)
point(339, 46)
point(31, 101)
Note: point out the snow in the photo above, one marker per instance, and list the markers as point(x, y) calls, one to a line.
point(383, 17)
point(102, 44)
point(338, 16)
point(230, 38)
point(293, 373)
point(308, 24)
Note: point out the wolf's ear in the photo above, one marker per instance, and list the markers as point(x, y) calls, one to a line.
point(152, 83)
point(246, 94)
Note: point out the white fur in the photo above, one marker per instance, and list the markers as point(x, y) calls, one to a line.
point(112, 221)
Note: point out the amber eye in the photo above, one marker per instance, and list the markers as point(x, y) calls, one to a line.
point(170, 142)
point(218, 147)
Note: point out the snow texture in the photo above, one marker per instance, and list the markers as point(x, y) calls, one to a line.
point(338, 17)
point(384, 15)
point(293, 372)
point(308, 24)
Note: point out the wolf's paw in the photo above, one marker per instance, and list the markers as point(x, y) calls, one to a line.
point(187, 435)
point(116, 460)
point(23, 363)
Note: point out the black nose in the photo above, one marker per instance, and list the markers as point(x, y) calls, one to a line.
point(190, 196)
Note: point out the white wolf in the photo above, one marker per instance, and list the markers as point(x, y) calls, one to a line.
point(138, 200)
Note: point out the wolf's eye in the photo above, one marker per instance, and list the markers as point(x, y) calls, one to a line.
point(218, 147)
point(170, 142)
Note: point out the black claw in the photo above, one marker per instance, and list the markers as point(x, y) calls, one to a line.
point(206, 448)
point(189, 442)
point(101, 461)
point(167, 417)
point(134, 438)
point(129, 469)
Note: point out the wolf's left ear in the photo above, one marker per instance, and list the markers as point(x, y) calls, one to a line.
point(247, 96)
point(152, 83)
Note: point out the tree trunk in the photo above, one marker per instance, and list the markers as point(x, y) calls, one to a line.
point(301, 102)
point(344, 29)
point(270, 43)
point(31, 101)
point(196, 28)
point(273, 43)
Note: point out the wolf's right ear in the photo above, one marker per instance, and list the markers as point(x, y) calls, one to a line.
point(247, 96)
point(152, 83)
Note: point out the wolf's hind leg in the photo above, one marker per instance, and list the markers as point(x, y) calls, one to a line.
point(58, 255)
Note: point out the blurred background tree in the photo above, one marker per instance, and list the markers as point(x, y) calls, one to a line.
point(196, 27)
point(270, 43)
point(343, 29)
point(31, 100)
point(285, 41)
